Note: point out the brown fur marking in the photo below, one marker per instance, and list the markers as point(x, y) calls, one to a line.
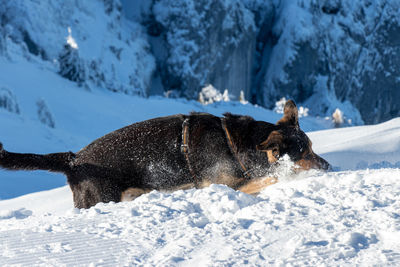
point(255, 186)
point(228, 180)
point(271, 157)
point(271, 146)
point(132, 193)
point(303, 165)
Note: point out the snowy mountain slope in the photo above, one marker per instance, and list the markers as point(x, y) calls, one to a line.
point(111, 51)
point(344, 53)
point(325, 54)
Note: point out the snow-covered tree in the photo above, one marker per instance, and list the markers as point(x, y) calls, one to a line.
point(337, 118)
point(71, 66)
point(44, 114)
point(210, 94)
point(8, 101)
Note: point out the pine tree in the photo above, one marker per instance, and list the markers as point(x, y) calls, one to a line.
point(71, 66)
point(44, 114)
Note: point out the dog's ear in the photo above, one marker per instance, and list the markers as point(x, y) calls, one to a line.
point(290, 115)
point(271, 146)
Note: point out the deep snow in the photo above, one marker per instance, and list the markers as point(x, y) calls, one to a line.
point(339, 218)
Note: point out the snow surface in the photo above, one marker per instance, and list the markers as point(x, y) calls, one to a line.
point(339, 218)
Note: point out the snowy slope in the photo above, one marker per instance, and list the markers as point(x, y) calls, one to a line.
point(345, 217)
point(113, 53)
point(374, 146)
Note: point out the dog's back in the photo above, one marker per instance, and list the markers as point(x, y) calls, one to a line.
point(175, 152)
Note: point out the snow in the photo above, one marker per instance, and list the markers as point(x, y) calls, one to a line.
point(373, 146)
point(70, 40)
point(342, 218)
point(209, 95)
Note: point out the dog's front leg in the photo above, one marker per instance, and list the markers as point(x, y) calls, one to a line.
point(256, 185)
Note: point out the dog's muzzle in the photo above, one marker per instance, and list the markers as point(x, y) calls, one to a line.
point(313, 161)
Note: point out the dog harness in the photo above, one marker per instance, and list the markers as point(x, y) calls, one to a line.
point(185, 149)
point(232, 147)
point(234, 150)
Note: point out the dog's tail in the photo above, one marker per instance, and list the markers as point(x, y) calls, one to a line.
point(56, 162)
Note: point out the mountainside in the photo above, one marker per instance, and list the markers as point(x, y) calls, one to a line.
point(87, 42)
point(325, 54)
point(333, 50)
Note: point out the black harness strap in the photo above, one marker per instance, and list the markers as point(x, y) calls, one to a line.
point(234, 150)
point(185, 149)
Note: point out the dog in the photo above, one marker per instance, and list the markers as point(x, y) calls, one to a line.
point(177, 152)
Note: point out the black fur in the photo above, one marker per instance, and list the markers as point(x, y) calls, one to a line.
point(147, 155)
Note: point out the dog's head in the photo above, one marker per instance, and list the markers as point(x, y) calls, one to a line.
point(289, 139)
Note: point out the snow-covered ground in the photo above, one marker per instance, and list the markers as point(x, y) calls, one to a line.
point(345, 217)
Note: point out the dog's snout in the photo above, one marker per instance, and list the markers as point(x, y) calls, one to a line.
point(325, 165)
point(313, 161)
point(320, 163)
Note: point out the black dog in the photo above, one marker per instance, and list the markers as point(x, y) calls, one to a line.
point(176, 152)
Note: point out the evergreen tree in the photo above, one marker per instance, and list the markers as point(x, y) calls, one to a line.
point(71, 66)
